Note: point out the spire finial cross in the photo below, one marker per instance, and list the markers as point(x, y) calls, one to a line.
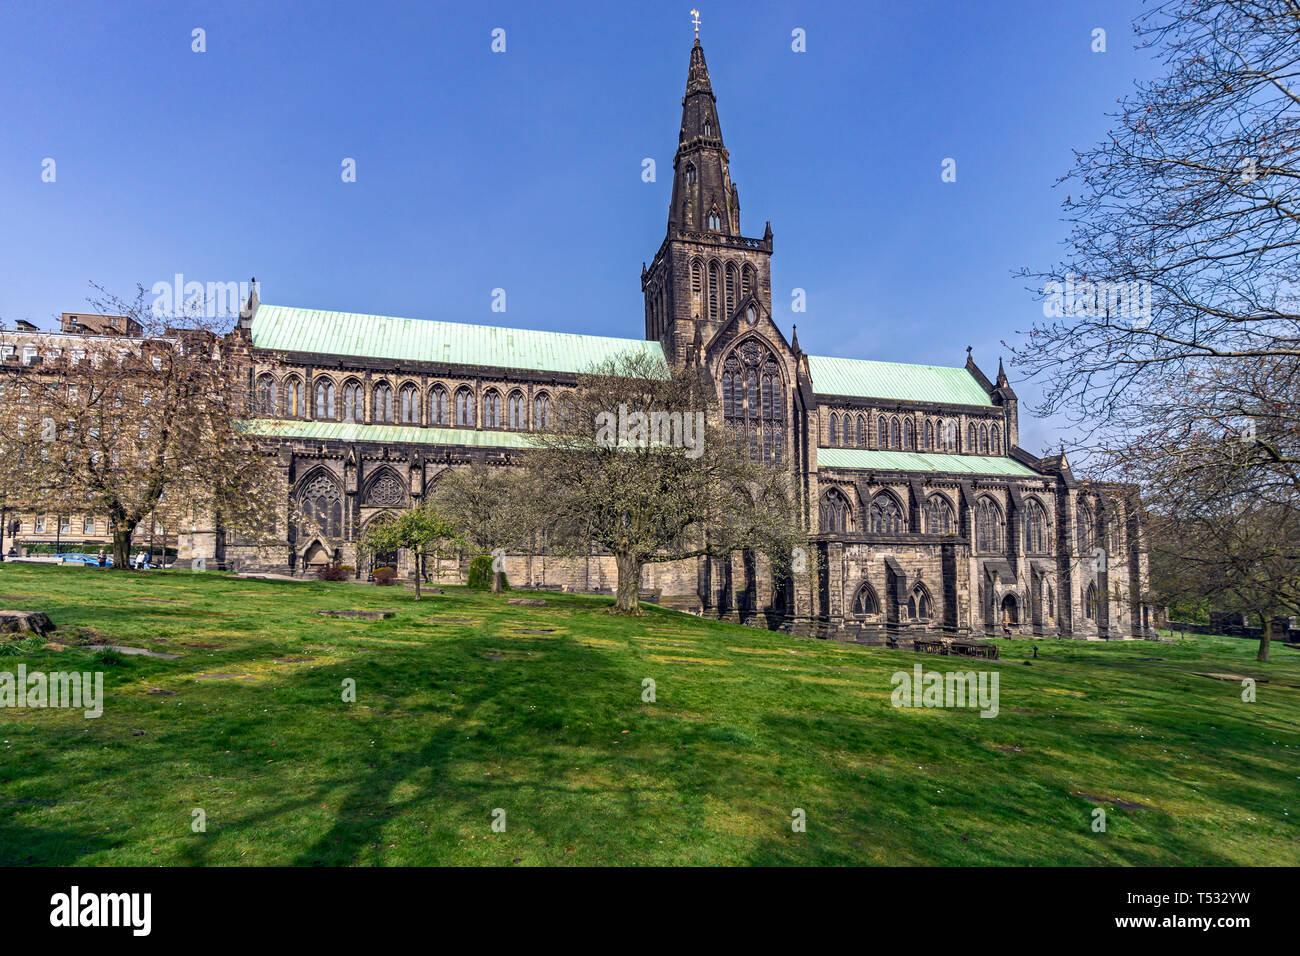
point(695, 19)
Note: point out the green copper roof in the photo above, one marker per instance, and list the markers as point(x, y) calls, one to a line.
point(412, 434)
point(864, 459)
point(862, 378)
point(425, 340)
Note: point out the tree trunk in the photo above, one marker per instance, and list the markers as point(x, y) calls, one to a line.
point(1265, 637)
point(122, 547)
point(628, 593)
point(419, 572)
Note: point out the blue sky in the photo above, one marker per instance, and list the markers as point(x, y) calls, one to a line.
point(522, 170)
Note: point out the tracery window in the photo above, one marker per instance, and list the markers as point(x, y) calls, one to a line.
point(919, 607)
point(835, 429)
point(292, 400)
point(492, 409)
point(865, 603)
point(515, 411)
point(885, 516)
point(995, 441)
point(753, 400)
point(988, 526)
point(939, 517)
point(542, 411)
point(320, 505)
point(834, 513)
point(1036, 536)
point(266, 404)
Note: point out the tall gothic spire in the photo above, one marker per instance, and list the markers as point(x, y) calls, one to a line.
point(704, 199)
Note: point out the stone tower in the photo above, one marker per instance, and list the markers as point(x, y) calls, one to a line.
point(705, 271)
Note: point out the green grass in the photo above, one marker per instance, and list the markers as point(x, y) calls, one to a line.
point(459, 711)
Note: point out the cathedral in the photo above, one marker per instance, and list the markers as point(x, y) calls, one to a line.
point(923, 511)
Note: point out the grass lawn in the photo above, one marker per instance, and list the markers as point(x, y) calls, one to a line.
point(465, 704)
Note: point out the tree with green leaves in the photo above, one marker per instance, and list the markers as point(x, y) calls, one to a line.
point(489, 507)
point(418, 530)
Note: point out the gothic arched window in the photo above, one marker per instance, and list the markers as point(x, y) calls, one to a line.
point(995, 441)
point(834, 514)
point(733, 279)
point(748, 280)
point(988, 526)
point(882, 433)
point(865, 603)
point(1036, 536)
point(266, 395)
point(324, 400)
point(950, 439)
point(438, 410)
point(354, 408)
point(516, 416)
point(464, 408)
point(292, 398)
point(862, 431)
point(382, 408)
point(690, 174)
point(919, 606)
point(715, 280)
point(909, 436)
point(895, 434)
point(984, 440)
point(542, 411)
point(885, 515)
point(753, 400)
point(939, 517)
point(1087, 527)
point(491, 409)
point(972, 439)
point(1090, 603)
point(320, 506)
point(928, 441)
point(410, 405)
point(715, 221)
point(835, 429)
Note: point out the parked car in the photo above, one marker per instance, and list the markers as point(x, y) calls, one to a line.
point(90, 560)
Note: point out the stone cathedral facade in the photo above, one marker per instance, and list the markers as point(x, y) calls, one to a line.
point(924, 512)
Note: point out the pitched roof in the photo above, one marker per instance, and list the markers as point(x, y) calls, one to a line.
point(864, 459)
point(862, 378)
point(425, 340)
point(411, 434)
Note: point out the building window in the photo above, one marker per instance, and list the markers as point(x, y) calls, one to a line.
point(1036, 536)
point(65, 525)
point(438, 407)
point(988, 526)
point(38, 525)
point(324, 400)
point(515, 414)
point(491, 409)
point(464, 408)
point(690, 174)
point(909, 435)
point(88, 525)
point(865, 603)
point(29, 354)
point(939, 517)
point(410, 405)
point(715, 222)
point(266, 397)
point(918, 605)
point(1090, 603)
point(292, 407)
point(835, 429)
point(885, 516)
point(753, 400)
point(972, 439)
point(834, 515)
point(995, 441)
point(354, 407)
point(542, 411)
point(382, 409)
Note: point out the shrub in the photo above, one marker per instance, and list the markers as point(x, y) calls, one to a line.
point(28, 645)
point(385, 576)
point(332, 572)
point(480, 574)
point(109, 658)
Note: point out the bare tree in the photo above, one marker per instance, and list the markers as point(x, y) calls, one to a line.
point(487, 507)
point(1184, 241)
point(135, 426)
point(637, 466)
